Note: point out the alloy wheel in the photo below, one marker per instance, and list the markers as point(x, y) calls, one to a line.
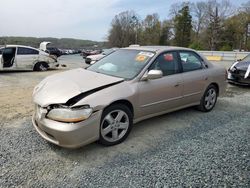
point(210, 98)
point(115, 125)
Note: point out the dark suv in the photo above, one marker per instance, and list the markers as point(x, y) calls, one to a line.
point(54, 51)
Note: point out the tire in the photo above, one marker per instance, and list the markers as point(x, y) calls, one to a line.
point(116, 124)
point(209, 99)
point(41, 66)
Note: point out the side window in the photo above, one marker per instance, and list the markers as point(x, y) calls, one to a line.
point(167, 63)
point(1, 51)
point(190, 61)
point(9, 50)
point(26, 51)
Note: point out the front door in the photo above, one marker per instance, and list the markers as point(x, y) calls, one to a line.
point(8, 57)
point(163, 94)
point(1, 58)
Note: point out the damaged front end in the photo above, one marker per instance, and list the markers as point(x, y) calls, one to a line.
point(64, 115)
point(239, 73)
point(68, 113)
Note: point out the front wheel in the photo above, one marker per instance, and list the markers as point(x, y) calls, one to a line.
point(116, 124)
point(209, 99)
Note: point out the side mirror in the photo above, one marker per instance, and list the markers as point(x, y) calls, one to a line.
point(152, 75)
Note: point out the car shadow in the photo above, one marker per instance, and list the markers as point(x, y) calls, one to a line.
point(143, 136)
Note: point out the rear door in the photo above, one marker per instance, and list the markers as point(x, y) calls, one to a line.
point(26, 57)
point(163, 94)
point(195, 76)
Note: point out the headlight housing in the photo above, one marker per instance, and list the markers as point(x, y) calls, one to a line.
point(69, 115)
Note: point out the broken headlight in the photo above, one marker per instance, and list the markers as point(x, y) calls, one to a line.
point(70, 115)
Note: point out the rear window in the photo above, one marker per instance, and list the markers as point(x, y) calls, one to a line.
point(26, 51)
point(190, 61)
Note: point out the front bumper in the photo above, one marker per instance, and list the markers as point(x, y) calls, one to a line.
point(68, 135)
point(238, 79)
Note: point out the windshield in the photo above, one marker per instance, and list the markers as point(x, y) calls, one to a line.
point(123, 63)
point(247, 58)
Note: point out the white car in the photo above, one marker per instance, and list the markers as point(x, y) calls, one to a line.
point(18, 57)
point(91, 59)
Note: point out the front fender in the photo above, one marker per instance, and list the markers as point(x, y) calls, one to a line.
point(103, 98)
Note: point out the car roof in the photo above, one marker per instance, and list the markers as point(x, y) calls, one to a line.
point(156, 48)
point(13, 45)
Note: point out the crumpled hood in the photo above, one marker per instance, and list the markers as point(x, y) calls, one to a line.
point(242, 65)
point(59, 88)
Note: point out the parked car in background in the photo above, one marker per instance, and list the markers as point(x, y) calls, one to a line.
point(18, 57)
point(239, 72)
point(86, 53)
point(54, 51)
point(91, 59)
point(102, 102)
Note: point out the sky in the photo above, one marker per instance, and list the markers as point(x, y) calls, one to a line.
point(80, 19)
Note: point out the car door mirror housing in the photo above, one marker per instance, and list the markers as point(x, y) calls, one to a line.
point(152, 75)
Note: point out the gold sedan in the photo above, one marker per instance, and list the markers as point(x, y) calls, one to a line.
point(103, 101)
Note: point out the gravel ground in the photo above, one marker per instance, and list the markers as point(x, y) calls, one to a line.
point(187, 148)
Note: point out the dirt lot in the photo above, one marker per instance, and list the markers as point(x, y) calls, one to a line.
point(16, 88)
point(184, 148)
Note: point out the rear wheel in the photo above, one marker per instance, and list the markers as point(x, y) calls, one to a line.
point(209, 99)
point(116, 124)
point(41, 66)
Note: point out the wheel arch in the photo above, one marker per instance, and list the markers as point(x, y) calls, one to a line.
point(123, 102)
point(216, 86)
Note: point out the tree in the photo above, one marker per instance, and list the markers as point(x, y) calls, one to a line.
point(216, 14)
point(123, 29)
point(208, 24)
point(165, 33)
point(183, 27)
point(199, 14)
point(151, 30)
point(244, 16)
point(214, 29)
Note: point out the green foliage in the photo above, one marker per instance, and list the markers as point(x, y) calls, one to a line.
point(226, 47)
point(195, 46)
point(64, 43)
point(151, 30)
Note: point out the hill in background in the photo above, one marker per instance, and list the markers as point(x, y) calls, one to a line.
point(63, 43)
